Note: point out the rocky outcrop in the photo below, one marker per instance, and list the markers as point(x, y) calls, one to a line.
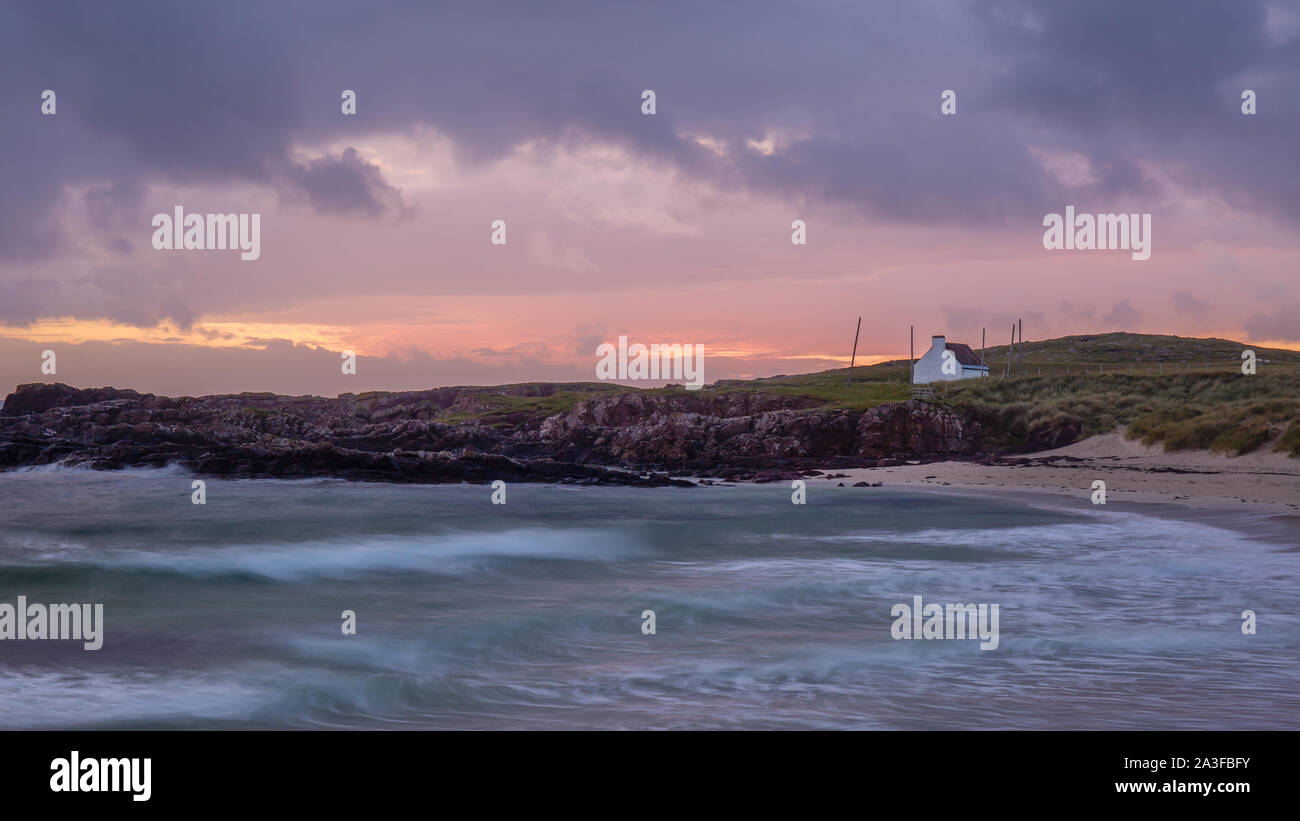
point(913, 428)
point(739, 428)
point(616, 436)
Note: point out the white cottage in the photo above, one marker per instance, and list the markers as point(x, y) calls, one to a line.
point(963, 364)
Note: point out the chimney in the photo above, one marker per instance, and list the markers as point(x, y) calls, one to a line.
point(937, 343)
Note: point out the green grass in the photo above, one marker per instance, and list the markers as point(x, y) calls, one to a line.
point(1233, 428)
point(1289, 441)
point(1175, 391)
point(865, 388)
point(1135, 351)
point(1223, 411)
point(1243, 439)
point(500, 410)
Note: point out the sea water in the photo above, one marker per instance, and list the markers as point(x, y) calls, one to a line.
point(530, 614)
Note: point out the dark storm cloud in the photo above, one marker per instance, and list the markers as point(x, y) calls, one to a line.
point(204, 93)
point(1103, 64)
point(174, 92)
point(1162, 80)
point(346, 184)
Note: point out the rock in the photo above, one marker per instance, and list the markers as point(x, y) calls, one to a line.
point(918, 428)
point(36, 397)
point(460, 434)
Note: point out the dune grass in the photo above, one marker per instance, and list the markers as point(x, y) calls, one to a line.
point(1225, 412)
point(1289, 441)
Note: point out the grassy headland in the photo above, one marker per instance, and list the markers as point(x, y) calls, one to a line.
point(1183, 393)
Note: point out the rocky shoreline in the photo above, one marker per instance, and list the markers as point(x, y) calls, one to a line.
point(630, 437)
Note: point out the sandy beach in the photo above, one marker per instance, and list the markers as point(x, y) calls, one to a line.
point(1263, 482)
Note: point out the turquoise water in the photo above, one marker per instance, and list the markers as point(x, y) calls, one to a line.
point(528, 614)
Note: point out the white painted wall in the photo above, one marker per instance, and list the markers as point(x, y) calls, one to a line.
point(929, 368)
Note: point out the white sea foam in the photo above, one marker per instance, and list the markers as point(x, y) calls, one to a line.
point(1128, 529)
point(64, 699)
point(64, 467)
point(447, 554)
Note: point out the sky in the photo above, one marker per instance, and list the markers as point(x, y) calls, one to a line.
point(375, 228)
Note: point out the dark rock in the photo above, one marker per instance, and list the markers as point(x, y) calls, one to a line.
point(459, 434)
point(36, 397)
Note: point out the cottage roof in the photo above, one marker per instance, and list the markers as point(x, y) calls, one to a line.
point(964, 354)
